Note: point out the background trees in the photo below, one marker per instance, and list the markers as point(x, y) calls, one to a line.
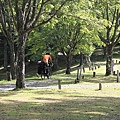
point(109, 12)
point(70, 32)
point(27, 15)
point(9, 33)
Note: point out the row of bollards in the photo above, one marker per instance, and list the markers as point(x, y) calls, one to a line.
point(118, 75)
point(59, 85)
point(94, 75)
point(117, 61)
point(8, 75)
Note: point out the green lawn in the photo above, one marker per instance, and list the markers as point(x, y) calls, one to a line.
point(65, 104)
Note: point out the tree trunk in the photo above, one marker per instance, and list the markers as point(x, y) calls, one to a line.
point(81, 58)
point(109, 55)
point(104, 52)
point(20, 69)
point(68, 58)
point(12, 61)
point(5, 56)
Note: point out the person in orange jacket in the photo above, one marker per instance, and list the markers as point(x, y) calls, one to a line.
point(47, 58)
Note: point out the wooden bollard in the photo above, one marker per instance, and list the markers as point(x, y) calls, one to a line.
point(94, 74)
point(92, 68)
point(117, 75)
point(8, 75)
point(113, 72)
point(83, 69)
point(89, 67)
point(98, 65)
point(83, 76)
point(95, 68)
point(59, 84)
point(100, 86)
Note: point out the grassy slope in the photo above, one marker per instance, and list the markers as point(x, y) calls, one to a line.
point(82, 101)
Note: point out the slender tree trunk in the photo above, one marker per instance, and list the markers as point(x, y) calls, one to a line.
point(5, 56)
point(68, 58)
point(12, 61)
point(20, 69)
point(81, 58)
point(109, 54)
point(104, 52)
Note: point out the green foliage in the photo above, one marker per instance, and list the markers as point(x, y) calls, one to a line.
point(88, 16)
point(35, 45)
point(105, 11)
point(74, 18)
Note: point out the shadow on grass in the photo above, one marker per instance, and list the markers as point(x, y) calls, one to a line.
point(100, 78)
point(75, 107)
point(5, 94)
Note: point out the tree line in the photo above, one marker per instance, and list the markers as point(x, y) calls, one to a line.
point(67, 26)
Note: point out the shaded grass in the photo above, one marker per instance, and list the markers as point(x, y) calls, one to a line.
point(65, 104)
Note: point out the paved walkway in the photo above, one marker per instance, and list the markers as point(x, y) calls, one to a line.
point(50, 84)
point(33, 84)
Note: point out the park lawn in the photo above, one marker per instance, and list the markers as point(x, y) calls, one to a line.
point(73, 103)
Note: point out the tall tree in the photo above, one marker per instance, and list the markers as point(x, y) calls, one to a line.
point(27, 15)
point(109, 12)
point(68, 35)
point(8, 31)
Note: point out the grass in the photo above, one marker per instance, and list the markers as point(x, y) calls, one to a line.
point(64, 104)
point(81, 101)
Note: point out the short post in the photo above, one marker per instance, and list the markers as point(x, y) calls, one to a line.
point(59, 84)
point(113, 72)
point(8, 75)
point(117, 75)
point(92, 68)
point(83, 76)
point(95, 67)
point(98, 65)
point(94, 74)
point(83, 69)
point(89, 67)
point(100, 86)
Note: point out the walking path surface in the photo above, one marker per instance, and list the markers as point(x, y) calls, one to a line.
point(53, 84)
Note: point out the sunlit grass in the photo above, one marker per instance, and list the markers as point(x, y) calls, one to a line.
point(65, 104)
point(2, 82)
